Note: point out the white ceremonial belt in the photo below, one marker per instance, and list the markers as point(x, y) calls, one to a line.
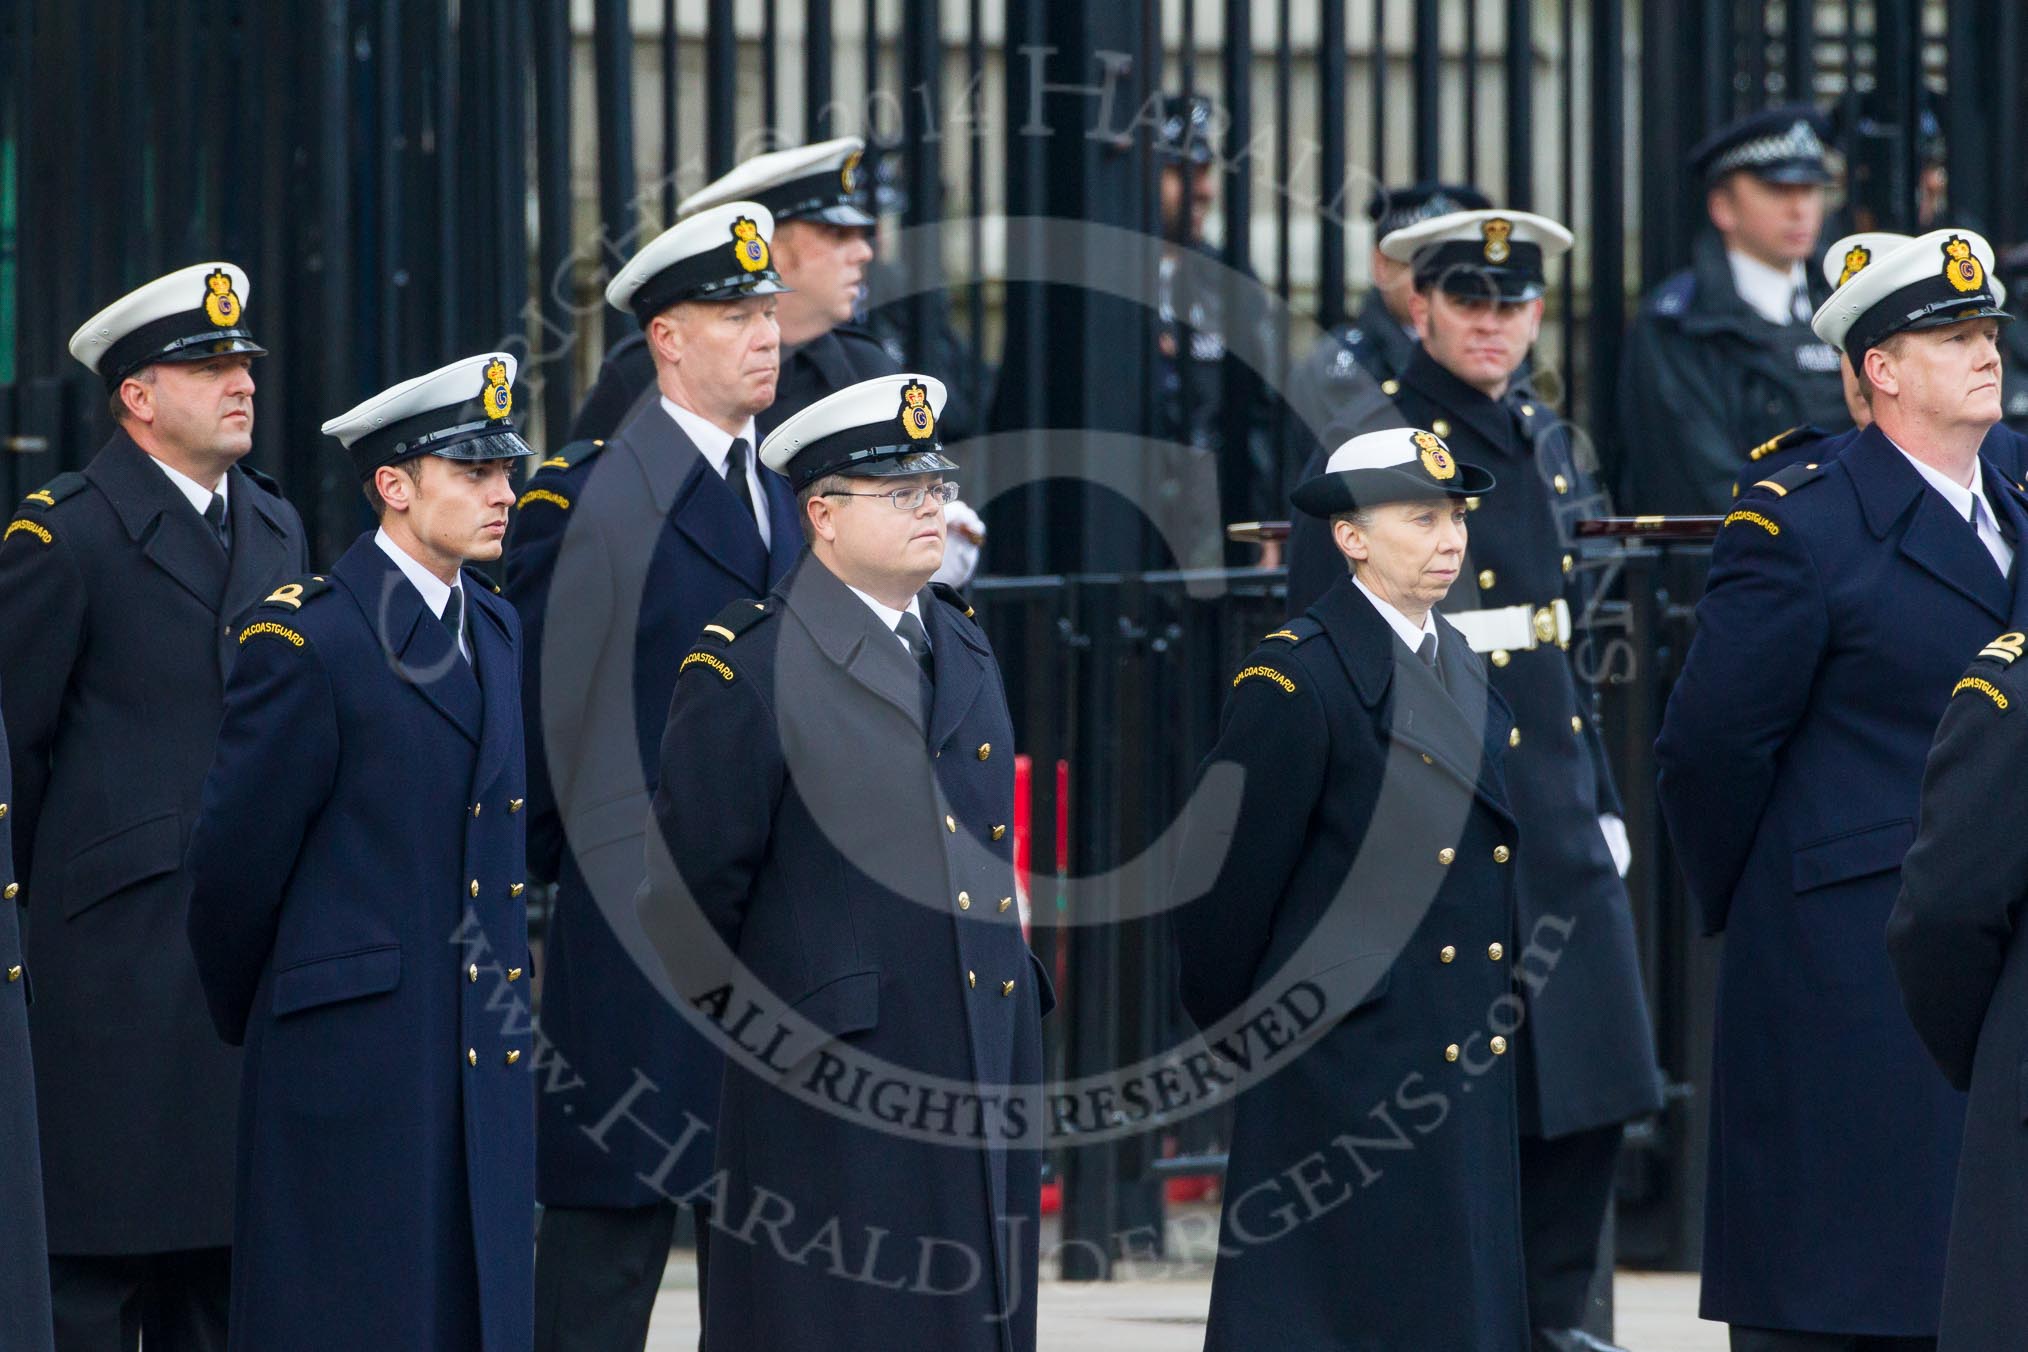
point(1514, 628)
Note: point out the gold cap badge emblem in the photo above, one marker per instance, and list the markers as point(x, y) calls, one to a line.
point(1961, 269)
point(747, 245)
point(221, 306)
point(498, 396)
point(917, 421)
point(1856, 259)
point(1436, 457)
point(1496, 231)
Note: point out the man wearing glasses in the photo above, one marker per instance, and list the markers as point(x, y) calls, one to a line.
point(850, 736)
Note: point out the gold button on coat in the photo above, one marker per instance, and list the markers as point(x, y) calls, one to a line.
point(471, 1056)
point(1576, 724)
point(1568, 564)
point(1006, 988)
point(964, 901)
point(1501, 854)
point(999, 831)
point(516, 889)
point(473, 971)
point(475, 887)
point(1451, 1052)
point(1499, 1046)
point(476, 807)
point(1527, 410)
point(1501, 657)
point(1496, 951)
point(1446, 854)
point(1427, 759)
point(951, 824)
point(3, 811)
point(1440, 427)
point(1487, 577)
point(513, 973)
point(1562, 484)
point(13, 891)
point(1005, 902)
point(1449, 953)
point(1390, 388)
point(514, 804)
point(513, 1056)
point(14, 973)
point(973, 977)
point(985, 750)
point(1513, 737)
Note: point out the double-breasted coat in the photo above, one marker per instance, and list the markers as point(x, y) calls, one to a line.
point(844, 831)
point(121, 613)
point(618, 555)
point(1844, 604)
point(24, 1259)
point(358, 916)
point(1955, 938)
point(1365, 854)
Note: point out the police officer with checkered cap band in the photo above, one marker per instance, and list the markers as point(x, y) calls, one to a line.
point(674, 504)
point(1373, 347)
point(1726, 345)
point(1586, 1056)
point(123, 586)
point(1845, 601)
point(1371, 746)
point(834, 802)
point(357, 907)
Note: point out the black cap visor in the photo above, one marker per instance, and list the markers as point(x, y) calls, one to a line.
point(1351, 489)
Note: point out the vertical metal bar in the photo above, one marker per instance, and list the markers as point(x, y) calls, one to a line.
point(1428, 63)
point(1285, 117)
point(817, 48)
point(975, 198)
point(1567, 171)
point(721, 85)
point(612, 51)
point(1332, 207)
point(770, 93)
point(1755, 40)
point(1971, 42)
point(1239, 303)
point(670, 47)
point(921, 157)
point(334, 217)
point(1719, 99)
point(1608, 205)
point(1898, 53)
point(514, 38)
point(394, 214)
point(870, 58)
point(1471, 80)
point(1376, 60)
point(553, 217)
point(1520, 104)
point(1799, 49)
point(2010, 184)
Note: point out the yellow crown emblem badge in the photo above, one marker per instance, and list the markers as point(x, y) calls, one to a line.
point(1961, 269)
point(848, 177)
point(1856, 259)
point(498, 396)
point(1436, 457)
point(918, 423)
point(747, 245)
point(1496, 232)
point(221, 306)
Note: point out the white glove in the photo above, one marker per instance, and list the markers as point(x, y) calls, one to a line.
point(1615, 832)
point(964, 532)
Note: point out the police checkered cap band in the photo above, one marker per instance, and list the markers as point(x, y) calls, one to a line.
point(190, 314)
point(801, 183)
point(1799, 142)
point(694, 260)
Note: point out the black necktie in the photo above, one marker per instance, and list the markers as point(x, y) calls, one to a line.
point(913, 634)
point(454, 618)
point(735, 477)
point(214, 517)
point(1426, 650)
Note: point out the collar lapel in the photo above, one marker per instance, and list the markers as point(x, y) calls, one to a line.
point(158, 517)
point(417, 646)
point(786, 543)
point(960, 665)
point(695, 499)
point(499, 684)
point(260, 555)
point(1485, 417)
point(847, 632)
point(1936, 539)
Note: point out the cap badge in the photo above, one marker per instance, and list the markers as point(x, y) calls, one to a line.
point(747, 245)
point(498, 396)
point(221, 306)
point(1496, 231)
point(1961, 269)
point(848, 177)
point(1856, 259)
point(1436, 457)
point(916, 419)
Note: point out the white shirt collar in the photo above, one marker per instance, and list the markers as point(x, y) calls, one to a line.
point(1958, 495)
point(889, 616)
point(199, 495)
point(1402, 626)
point(714, 443)
point(1770, 291)
point(436, 593)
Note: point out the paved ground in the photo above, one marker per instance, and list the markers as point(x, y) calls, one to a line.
point(1165, 1313)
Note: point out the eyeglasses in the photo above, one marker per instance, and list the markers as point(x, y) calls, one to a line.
point(907, 499)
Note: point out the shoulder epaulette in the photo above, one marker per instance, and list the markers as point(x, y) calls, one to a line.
point(291, 595)
point(736, 619)
point(950, 596)
point(1295, 631)
point(1781, 441)
point(55, 491)
point(479, 579)
point(1789, 478)
point(2001, 653)
point(265, 482)
point(1674, 295)
point(573, 455)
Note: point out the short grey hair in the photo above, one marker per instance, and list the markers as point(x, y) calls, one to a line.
point(817, 488)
